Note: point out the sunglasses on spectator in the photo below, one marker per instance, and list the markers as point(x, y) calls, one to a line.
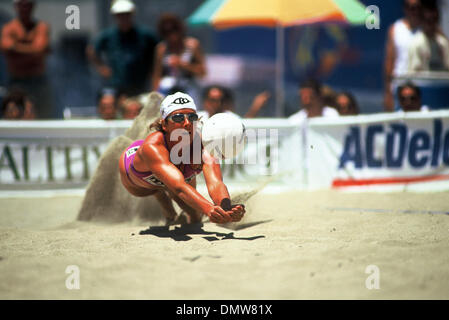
point(412, 7)
point(216, 100)
point(179, 117)
point(169, 30)
point(411, 98)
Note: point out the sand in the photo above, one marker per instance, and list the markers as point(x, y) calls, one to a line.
point(293, 245)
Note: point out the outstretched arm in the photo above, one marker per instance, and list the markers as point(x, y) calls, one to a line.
point(158, 161)
point(217, 189)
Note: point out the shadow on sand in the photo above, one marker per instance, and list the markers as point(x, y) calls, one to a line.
point(181, 233)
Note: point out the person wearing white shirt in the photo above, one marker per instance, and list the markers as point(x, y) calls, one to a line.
point(429, 49)
point(312, 104)
point(397, 47)
point(410, 98)
point(218, 99)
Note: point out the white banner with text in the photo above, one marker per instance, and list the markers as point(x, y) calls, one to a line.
point(394, 150)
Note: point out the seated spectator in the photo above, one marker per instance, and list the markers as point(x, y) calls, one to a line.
point(107, 104)
point(17, 106)
point(312, 104)
point(429, 49)
point(214, 100)
point(409, 97)
point(346, 104)
point(130, 108)
point(25, 43)
point(217, 99)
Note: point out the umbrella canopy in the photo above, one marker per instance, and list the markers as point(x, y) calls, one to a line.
point(271, 13)
point(278, 13)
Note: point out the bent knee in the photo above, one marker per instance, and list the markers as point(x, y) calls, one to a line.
point(195, 217)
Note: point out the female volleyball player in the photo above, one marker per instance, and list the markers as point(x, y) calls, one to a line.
point(164, 165)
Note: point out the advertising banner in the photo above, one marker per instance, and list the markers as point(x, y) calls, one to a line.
point(383, 151)
point(379, 150)
point(53, 154)
point(65, 154)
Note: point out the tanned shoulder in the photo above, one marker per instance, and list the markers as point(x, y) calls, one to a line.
point(152, 151)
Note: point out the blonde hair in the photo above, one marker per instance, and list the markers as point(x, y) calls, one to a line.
point(157, 125)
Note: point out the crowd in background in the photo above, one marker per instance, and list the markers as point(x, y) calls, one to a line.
point(133, 61)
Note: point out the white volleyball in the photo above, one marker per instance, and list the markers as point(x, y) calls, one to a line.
point(223, 135)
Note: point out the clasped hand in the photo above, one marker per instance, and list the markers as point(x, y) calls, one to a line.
point(218, 215)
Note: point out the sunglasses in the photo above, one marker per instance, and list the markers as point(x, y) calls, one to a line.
point(179, 117)
point(412, 7)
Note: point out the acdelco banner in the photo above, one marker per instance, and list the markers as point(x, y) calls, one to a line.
point(378, 150)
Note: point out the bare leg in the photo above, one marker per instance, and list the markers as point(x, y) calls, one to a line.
point(167, 205)
point(192, 214)
point(161, 196)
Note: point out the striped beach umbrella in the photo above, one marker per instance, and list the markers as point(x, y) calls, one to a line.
point(277, 14)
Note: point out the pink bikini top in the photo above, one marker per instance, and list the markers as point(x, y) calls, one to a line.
point(189, 171)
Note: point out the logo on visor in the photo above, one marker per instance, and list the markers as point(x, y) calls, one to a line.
point(181, 101)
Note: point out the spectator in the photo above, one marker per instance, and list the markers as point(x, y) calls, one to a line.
point(16, 105)
point(429, 49)
point(130, 108)
point(346, 104)
point(310, 93)
point(123, 54)
point(179, 58)
point(410, 98)
point(217, 99)
point(25, 43)
point(107, 105)
point(397, 48)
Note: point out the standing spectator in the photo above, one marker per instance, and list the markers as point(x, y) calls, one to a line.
point(346, 104)
point(17, 106)
point(25, 43)
point(429, 49)
point(310, 94)
point(123, 54)
point(217, 99)
point(397, 48)
point(179, 58)
point(410, 98)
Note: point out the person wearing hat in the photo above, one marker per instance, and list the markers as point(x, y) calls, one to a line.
point(25, 43)
point(123, 54)
point(166, 163)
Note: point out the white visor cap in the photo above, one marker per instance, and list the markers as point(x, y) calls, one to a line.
point(122, 6)
point(175, 102)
